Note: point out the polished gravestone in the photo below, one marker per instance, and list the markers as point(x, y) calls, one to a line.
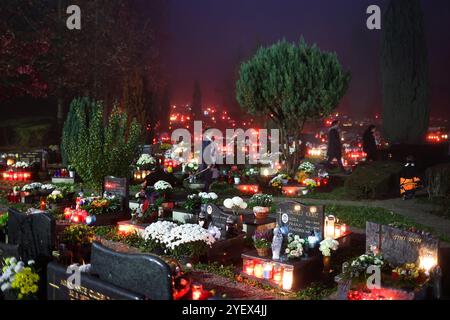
point(218, 217)
point(118, 187)
point(400, 246)
point(300, 219)
point(60, 287)
point(143, 274)
point(33, 233)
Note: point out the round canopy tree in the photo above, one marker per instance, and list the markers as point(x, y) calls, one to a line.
point(291, 83)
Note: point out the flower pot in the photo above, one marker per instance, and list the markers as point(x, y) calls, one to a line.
point(263, 252)
point(326, 265)
point(237, 180)
point(261, 213)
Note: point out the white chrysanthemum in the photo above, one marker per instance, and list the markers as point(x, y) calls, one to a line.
point(237, 201)
point(228, 203)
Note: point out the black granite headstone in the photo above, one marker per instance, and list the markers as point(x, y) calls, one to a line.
point(217, 216)
point(120, 188)
point(400, 246)
point(34, 233)
point(31, 157)
point(144, 274)
point(91, 288)
point(301, 220)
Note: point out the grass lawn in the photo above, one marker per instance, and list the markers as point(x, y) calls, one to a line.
point(338, 193)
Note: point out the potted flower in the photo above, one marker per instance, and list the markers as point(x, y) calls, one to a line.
point(193, 203)
point(261, 204)
point(71, 170)
point(310, 184)
point(235, 204)
point(262, 243)
point(78, 239)
point(295, 245)
point(55, 199)
point(164, 188)
point(326, 246)
point(146, 162)
point(208, 198)
point(18, 280)
point(307, 167)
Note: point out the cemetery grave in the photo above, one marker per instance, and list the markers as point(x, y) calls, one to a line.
point(287, 246)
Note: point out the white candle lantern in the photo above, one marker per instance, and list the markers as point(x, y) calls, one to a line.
point(330, 221)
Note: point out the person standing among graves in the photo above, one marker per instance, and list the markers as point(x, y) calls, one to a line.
point(209, 160)
point(370, 144)
point(335, 146)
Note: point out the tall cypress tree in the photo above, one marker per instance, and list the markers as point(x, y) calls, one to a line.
point(197, 101)
point(404, 73)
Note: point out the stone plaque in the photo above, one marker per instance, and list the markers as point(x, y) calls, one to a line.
point(400, 246)
point(91, 288)
point(143, 274)
point(34, 233)
point(301, 220)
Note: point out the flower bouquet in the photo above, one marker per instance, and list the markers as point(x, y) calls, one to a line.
point(19, 280)
point(295, 246)
point(20, 165)
point(326, 246)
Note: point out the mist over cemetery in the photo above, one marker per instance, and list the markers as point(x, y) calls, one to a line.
point(125, 194)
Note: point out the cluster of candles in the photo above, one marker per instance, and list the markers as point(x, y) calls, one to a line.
point(63, 173)
point(293, 191)
point(76, 215)
point(248, 189)
point(282, 276)
point(141, 174)
point(334, 230)
point(16, 176)
point(380, 294)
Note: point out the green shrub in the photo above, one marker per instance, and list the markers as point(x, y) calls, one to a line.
point(374, 181)
point(438, 180)
point(97, 149)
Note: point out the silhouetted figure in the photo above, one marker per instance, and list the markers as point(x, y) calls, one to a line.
point(370, 144)
point(335, 145)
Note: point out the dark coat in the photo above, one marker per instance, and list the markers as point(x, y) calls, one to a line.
point(334, 144)
point(369, 143)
